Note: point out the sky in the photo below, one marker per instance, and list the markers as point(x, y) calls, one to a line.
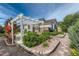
point(37, 10)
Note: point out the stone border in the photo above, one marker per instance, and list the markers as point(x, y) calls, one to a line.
point(54, 48)
point(37, 53)
point(61, 36)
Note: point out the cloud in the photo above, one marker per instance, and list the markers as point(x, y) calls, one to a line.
point(63, 10)
point(6, 11)
point(48, 11)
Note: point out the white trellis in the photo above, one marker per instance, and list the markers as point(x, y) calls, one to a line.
point(22, 20)
point(21, 27)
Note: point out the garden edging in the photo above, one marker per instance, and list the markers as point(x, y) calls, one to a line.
point(38, 53)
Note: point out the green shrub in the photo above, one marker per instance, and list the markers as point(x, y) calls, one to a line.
point(1, 34)
point(32, 39)
point(46, 34)
point(45, 44)
point(74, 38)
point(54, 33)
point(74, 52)
point(61, 33)
point(42, 38)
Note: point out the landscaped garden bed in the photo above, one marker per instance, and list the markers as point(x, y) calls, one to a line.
point(39, 44)
point(41, 49)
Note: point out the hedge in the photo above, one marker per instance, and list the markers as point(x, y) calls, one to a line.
point(74, 36)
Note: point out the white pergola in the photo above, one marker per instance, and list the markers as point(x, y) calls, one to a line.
point(22, 20)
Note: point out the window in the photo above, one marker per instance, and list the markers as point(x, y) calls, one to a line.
point(28, 26)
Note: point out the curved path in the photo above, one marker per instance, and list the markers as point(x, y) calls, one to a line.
point(11, 50)
point(63, 49)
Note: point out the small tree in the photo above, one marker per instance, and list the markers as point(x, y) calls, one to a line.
point(68, 21)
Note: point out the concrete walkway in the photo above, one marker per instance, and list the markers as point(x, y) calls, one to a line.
point(11, 50)
point(63, 49)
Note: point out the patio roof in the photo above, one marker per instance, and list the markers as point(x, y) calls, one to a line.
point(25, 20)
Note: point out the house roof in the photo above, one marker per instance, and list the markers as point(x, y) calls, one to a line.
point(51, 21)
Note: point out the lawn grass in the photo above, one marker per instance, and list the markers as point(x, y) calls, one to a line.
point(1, 34)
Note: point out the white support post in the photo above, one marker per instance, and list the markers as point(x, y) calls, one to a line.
point(12, 33)
point(21, 26)
point(21, 29)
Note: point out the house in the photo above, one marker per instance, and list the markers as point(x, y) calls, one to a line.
point(35, 25)
point(48, 25)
